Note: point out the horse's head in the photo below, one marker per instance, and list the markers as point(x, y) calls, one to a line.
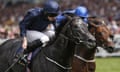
point(78, 32)
point(102, 34)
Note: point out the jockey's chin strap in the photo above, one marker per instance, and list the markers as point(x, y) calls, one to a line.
point(53, 61)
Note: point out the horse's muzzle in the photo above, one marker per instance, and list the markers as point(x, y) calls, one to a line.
point(109, 49)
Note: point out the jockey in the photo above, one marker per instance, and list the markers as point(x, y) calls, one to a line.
point(38, 26)
point(82, 11)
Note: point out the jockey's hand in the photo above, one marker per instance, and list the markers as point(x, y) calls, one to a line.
point(24, 44)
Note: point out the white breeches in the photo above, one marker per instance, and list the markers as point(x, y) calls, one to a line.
point(43, 36)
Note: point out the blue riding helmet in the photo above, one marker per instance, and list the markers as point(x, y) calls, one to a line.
point(59, 18)
point(81, 11)
point(51, 7)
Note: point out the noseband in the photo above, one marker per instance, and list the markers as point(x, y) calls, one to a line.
point(95, 33)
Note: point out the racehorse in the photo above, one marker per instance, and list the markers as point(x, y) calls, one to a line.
point(84, 58)
point(57, 56)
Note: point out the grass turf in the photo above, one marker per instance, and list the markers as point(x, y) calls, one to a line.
point(108, 64)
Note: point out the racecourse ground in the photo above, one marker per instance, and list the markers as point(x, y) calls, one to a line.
point(108, 64)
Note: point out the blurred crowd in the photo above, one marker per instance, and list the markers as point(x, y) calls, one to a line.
point(12, 13)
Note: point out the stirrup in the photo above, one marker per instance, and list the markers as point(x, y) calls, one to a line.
point(22, 59)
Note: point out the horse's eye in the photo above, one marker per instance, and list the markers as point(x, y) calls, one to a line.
point(102, 33)
point(111, 36)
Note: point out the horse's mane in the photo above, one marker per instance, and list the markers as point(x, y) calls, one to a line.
point(9, 44)
point(58, 30)
point(7, 41)
point(64, 22)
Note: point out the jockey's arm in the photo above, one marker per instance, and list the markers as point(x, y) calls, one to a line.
point(30, 15)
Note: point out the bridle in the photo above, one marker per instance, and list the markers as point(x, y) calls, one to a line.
point(95, 33)
point(75, 39)
point(83, 59)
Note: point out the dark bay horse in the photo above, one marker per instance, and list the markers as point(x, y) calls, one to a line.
point(84, 58)
point(57, 56)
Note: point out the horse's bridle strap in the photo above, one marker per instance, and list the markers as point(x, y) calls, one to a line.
point(51, 60)
point(83, 59)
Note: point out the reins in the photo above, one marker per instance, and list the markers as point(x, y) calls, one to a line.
point(83, 59)
point(12, 64)
point(53, 61)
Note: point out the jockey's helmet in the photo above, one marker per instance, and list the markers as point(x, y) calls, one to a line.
point(51, 7)
point(81, 11)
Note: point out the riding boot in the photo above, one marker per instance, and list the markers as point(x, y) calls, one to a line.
point(32, 46)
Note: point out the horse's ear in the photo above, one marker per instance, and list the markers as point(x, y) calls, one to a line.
point(68, 16)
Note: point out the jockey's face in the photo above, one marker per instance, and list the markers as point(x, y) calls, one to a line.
point(52, 16)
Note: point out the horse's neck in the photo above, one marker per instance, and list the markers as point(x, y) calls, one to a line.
point(62, 50)
point(57, 56)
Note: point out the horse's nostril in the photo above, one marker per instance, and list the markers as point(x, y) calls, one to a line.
point(91, 43)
